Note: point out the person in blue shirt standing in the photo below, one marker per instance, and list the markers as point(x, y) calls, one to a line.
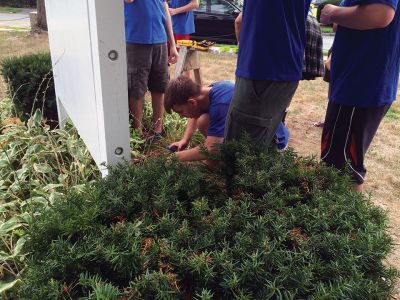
point(182, 18)
point(206, 108)
point(147, 28)
point(364, 78)
point(269, 67)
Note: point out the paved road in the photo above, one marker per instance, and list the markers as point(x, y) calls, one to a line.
point(327, 41)
point(20, 19)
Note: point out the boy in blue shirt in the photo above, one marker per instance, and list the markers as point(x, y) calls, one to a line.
point(206, 108)
point(269, 67)
point(147, 28)
point(182, 18)
point(364, 78)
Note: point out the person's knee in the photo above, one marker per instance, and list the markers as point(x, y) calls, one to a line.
point(203, 122)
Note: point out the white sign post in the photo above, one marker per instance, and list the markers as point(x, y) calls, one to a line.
point(88, 53)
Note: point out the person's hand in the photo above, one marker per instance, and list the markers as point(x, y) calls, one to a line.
point(129, 1)
point(328, 62)
point(326, 14)
point(180, 145)
point(172, 11)
point(173, 55)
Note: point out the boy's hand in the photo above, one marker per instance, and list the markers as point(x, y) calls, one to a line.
point(129, 1)
point(173, 55)
point(326, 14)
point(172, 11)
point(179, 145)
point(328, 62)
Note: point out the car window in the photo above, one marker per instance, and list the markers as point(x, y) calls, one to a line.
point(238, 3)
point(202, 6)
point(222, 7)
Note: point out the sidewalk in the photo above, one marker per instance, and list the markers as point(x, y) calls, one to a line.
point(20, 20)
point(327, 41)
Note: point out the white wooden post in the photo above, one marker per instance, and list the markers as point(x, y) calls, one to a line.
point(88, 53)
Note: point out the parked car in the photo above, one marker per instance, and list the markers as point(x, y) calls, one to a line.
point(215, 20)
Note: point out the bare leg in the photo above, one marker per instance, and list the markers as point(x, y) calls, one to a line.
point(359, 187)
point(203, 122)
point(157, 102)
point(136, 108)
point(186, 73)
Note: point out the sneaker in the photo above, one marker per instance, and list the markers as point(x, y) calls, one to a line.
point(281, 137)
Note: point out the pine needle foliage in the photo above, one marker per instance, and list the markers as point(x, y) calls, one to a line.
point(275, 226)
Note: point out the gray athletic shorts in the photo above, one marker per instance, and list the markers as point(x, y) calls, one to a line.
point(257, 108)
point(147, 68)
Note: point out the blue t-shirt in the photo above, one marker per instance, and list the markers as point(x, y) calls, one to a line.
point(220, 97)
point(272, 40)
point(182, 23)
point(365, 63)
point(145, 22)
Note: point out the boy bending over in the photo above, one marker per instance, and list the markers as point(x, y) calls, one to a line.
point(206, 108)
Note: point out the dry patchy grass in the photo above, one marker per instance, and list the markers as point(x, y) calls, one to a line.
point(308, 106)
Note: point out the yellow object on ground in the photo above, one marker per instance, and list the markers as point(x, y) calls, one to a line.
point(203, 45)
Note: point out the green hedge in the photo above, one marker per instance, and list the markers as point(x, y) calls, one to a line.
point(286, 228)
point(19, 3)
point(31, 84)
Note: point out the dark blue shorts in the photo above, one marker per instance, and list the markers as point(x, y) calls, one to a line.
point(347, 134)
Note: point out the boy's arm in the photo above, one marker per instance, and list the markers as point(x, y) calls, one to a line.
point(173, 53)
point(187, 135)
point(238, 26)
point(188, 7)
point(359, 17)
point(196, 154)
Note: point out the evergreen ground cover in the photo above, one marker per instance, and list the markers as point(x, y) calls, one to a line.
point(274, 226)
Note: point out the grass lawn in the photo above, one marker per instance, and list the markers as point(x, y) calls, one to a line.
point(326, 29)
point(308, 106)
point(11, 10)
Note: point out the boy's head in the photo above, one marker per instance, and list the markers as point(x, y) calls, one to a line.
point(181, 97)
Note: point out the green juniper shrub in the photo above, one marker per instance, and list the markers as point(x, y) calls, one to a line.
point(288, 228)
point(31, 85)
